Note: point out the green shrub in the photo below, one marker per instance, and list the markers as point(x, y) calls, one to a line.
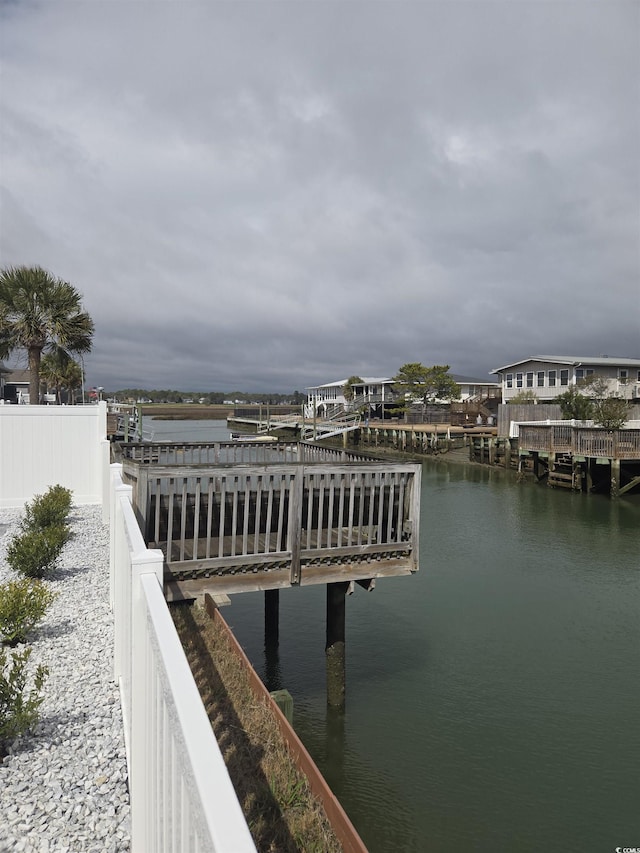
point(48, 510)
point(18, 709)
point(23, 604)
point(35, 553)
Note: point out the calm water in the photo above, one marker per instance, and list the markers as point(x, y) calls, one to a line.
point(493, 698)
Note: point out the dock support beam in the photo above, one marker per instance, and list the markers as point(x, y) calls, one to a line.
point(335, 647)
point(615, 478)
point(271, 618)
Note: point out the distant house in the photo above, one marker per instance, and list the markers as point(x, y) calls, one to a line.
point(374, 392)
point(14, 385)
point(378, 394)
point(547, 376)
point(476, 389)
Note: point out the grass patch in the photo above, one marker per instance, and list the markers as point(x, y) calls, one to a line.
point(282, 813)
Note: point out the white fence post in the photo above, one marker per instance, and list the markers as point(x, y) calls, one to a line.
point(144, 759)
point(105, 459)
point(115, 481)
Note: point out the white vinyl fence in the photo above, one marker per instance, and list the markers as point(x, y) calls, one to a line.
point(42, 446)
point(182, 799)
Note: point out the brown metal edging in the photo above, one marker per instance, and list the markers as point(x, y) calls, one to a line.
point(345, 831)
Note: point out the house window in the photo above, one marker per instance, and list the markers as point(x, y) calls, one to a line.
point(518, 380)
point(510, 380)
point(583, 373)
point(638, 377)
point(530, 380)
point(623, 375)
point(564, 377)
point(540, 378)
point(552, 378)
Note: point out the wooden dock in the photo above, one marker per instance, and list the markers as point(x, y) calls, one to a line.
point(241, 516)
point(585, 459)
point(305, 429)
point(420, 438)
point(244, 516)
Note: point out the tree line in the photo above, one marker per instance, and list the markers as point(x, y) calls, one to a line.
point(206, 397)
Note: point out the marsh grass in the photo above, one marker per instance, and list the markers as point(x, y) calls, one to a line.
point(282, 813)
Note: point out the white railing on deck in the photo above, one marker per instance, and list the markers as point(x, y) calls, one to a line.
point(182, 798)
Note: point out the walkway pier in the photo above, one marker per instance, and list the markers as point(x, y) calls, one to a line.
point(337, 422)
point(419, 438)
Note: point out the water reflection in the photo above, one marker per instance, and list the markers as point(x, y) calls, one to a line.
point(497, 685)
point(272, 672)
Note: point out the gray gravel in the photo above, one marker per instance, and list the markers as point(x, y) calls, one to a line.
point(63, 786)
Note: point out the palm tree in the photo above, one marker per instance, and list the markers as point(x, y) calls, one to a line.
point(60, 371)
point(40, 312)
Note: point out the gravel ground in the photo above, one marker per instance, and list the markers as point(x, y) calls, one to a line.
point(63, 786)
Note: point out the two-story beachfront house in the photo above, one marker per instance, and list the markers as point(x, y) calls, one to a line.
point(547, 376)
point(373, 392)
point(378, 394)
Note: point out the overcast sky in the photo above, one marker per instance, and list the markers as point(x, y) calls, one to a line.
point(270, 195)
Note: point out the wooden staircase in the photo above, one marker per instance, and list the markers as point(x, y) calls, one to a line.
point(335, 422)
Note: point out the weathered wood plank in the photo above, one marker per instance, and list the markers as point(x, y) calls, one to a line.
point(180, 590)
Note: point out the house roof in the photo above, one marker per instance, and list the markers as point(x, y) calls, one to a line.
point(572, 360)
point(377, 380)
point(471, 380)
point(17, 377)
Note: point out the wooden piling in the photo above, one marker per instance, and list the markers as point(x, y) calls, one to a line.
point(335, 646)
point(615, 478)
point(507, 453)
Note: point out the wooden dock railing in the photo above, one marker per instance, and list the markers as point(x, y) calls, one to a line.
point(232, 452)
point(581, 441)
point(248, 526)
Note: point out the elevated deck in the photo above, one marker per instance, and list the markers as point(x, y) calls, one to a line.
point(232, 517)
point(582, 458)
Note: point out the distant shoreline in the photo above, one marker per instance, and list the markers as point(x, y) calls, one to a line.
point(187, 411)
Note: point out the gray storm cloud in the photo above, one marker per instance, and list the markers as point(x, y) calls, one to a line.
point(271, 195)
